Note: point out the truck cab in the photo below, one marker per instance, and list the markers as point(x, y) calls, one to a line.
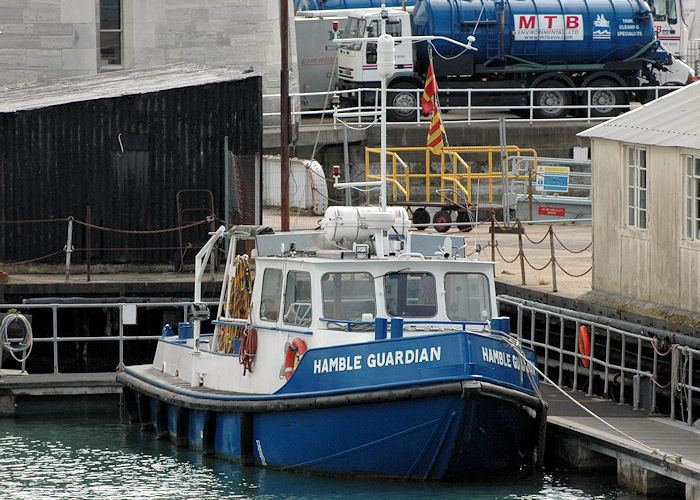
point(677, 26)
point(357, 62)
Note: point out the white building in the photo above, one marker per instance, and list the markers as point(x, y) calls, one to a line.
point(47, 39)
point(646, 203)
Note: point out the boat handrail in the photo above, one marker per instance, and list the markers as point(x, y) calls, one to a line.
point(349, 322)
point(409, 255)
point(463, 324)
point(231, 321)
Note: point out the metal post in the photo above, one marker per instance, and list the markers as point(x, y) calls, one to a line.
point(284, 115)
point(521, 254)
point(69, 246)
point(674, 381)
point(530, 173)
point(622, 369)
point(346, 166)
point(653, 385)
point(576, 356)
point(493, 240)
point(690, 389)
point(504, 168)
point(554, 259)
point(590, 365)
point(382, 160)
point(227, 182)
point(561, 352)
point(607, 362)
point(121, 337)
point(546, 344)
point(54, 316)
point(88, 216)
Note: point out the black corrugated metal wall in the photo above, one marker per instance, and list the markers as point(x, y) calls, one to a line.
point(126, 158)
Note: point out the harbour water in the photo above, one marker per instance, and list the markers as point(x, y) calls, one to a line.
point(88, 449)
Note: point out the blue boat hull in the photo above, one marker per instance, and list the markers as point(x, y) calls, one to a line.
point(442, 437)
point(449, 430)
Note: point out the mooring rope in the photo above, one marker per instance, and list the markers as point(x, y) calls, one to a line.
point(15, 345)
point(517, 347)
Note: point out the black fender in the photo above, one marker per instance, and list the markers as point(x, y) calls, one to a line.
point(603, 74)
point(563, 78)
point(412, 79)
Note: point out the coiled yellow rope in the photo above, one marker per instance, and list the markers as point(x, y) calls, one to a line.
point(237, 303)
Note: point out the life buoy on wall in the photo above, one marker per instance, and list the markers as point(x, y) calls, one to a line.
point(584, 345)
point(296, 348)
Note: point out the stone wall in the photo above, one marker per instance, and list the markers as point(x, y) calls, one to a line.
point(48, 39)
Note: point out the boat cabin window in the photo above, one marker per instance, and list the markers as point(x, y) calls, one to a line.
point(271, 289)
point(467, 297)
point(346, 296)
point(297, 299)
point(410, 295)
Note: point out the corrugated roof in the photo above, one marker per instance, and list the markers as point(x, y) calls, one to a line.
point(671, 120)
point(113, 84)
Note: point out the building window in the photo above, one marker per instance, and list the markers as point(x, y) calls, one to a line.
point(636, 187)
point(691, 169)
point(110, 34)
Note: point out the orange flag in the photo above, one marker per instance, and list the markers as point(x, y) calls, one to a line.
point(431, 88)
point(435, 132)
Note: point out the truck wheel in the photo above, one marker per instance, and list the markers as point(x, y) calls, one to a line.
point(421, 216)
point(442, 221)
point(602, 100)
point(465, 216)
point(554, 98)
point(404, 104)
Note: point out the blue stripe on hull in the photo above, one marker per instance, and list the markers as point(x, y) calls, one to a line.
point(437, 438)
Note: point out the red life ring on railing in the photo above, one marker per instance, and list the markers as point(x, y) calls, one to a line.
point(296, 348)
point(584, 345)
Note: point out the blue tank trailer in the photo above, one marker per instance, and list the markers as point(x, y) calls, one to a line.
point(533, 44)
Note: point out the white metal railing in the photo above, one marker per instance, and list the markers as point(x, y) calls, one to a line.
point(55, 338)
point(616, 356)
point(361, 113)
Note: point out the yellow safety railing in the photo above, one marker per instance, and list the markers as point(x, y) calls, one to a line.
point(454, 169)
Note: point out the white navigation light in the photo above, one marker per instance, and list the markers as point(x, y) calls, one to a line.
point(385, 56)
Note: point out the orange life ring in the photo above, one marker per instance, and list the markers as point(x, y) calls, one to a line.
point(296, 348)
point(584, 345)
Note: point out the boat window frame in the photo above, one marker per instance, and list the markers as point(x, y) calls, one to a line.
point(370, 280)
point(302, 311)
point(487, 296)
point(277, 290)
point(403, 312)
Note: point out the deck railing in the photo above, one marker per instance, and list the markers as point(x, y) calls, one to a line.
point(616, 358)
point(55, 337)
point(359, 108)
point(661, 378)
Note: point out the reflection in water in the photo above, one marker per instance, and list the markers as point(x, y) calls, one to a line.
point(87, 448)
